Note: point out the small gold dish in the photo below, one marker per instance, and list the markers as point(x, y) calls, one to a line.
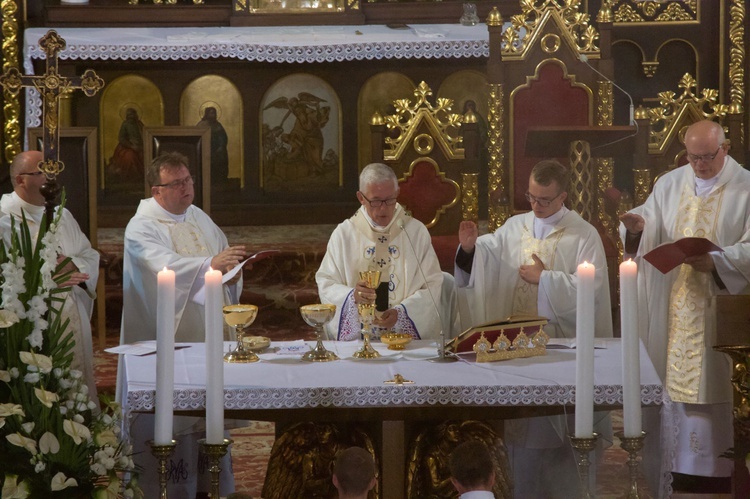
point(256, 343)
point(396, 341)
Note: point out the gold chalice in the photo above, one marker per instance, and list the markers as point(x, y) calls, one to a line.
point(317, 316)
point(367, 315)
point(239, 317)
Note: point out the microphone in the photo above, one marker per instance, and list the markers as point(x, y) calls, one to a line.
point(584, 59)
point(442, 355)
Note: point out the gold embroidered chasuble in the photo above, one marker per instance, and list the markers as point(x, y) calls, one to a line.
point(525, 295)
point(187, 239)
point(697, 217)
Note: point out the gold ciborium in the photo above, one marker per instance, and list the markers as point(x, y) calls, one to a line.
point(367, 315)
point(317, 316)
point(239, 317)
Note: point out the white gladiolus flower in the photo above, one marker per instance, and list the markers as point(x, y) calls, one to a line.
point(78, 418)
point(32, 378)
point(57, 372)
point(60, 482)
point(49, 444)
point(40, 466)
point(28, 427)
point(14, 372)
point(99, 469)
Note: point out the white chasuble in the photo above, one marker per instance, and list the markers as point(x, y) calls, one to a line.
point(356, 246)
point(526, 295)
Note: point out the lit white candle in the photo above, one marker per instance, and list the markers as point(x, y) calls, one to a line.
point(584, 420)
point(631, 362)
point(214, 358)
point(165, 357)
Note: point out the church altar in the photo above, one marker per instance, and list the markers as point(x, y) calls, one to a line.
point(282, 388)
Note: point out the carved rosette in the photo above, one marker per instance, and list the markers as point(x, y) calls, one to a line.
point(497, 169)
point(642, 185)
point(582, 184)
point(470, 197)
point(11, 104)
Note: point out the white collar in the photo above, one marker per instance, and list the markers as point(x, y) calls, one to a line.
point(164, 212)
point(543, 226)
point(380, 228)
point(703, 186)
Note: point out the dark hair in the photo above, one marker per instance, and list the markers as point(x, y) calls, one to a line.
point(471, 464)
point(550, 170)
point(354, 470)
point(164, 162)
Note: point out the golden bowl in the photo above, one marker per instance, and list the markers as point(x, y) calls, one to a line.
point(256, 343)
point(396, 341)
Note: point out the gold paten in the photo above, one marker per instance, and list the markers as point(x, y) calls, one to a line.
point(443, 124)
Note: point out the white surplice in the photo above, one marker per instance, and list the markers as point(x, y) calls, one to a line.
point(155, 239)
point(543, 461)
point(718, 209)
point(80, 301)
point(352, 249)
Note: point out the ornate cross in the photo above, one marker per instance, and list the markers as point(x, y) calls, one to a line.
point(51, 86)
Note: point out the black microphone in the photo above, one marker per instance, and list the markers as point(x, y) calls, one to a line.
point(584, 59)
point(442, 355)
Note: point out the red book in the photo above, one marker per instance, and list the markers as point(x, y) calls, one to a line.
point(667, 256)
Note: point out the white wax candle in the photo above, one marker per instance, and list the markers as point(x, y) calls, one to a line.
point(165, 357)
point(631, 362)
point(584, 420)
point(214, 358)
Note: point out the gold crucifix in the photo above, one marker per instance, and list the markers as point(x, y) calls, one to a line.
point(51, 86)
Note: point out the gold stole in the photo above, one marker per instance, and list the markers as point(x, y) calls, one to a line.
point(187, 239)
point(379, 257)
point(525, 295)
point(696, 217)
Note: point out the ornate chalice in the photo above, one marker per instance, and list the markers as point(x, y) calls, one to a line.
point(367, 315)
point(317, 316)
point(239, 317)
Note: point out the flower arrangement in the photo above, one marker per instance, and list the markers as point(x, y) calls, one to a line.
point(54, 441)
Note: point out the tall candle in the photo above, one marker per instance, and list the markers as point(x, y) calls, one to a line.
point(214, 358)
point(584, 420)
point(165, 357)
point(631, 362)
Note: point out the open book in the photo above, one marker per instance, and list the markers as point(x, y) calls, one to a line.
point(667, 256)
point(509, 326)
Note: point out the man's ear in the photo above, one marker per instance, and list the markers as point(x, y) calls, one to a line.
point(564, 196)
point(372, 483)
point(360, 198)
point(154, 191)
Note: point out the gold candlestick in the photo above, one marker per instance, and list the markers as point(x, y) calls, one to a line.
point(162, 452)
point(214, 452)
point(239, 317)
point(367, 315)
point(632, 445)
point(318, 316)
point(583, 447)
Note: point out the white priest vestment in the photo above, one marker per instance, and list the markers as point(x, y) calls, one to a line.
point(354, 246)
point(679, 335)
point(543, 461)
point(155, 239)
point(79, 303)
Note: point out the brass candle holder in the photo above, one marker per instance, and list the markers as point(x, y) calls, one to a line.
point(632, 445)
point(162, 452)
point(584, 446)
point(239, 317)
point(317, 316)
point(214, 453)
point(367, 315)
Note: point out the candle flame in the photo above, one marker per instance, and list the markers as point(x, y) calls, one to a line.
point(164, 269)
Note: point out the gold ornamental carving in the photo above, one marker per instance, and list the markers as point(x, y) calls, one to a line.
point(444, 125)
point(605, 105)
point(649, 68)
point(674, 111)
point(496, 148)
point(470, 197)
point(605, 175)
point(665, 11)
point(536, 14)
point(641, 185)
point(11, 104)
point(737, 14)
point(582, 183)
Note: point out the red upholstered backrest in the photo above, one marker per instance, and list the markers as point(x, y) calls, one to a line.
point(424, 192)
point(550, 100)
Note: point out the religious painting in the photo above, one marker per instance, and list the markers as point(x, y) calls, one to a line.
point(214, 102)
point(377, 96)
point(300, 136)
point(193, 142)
point(129, 104)
point(78, 153)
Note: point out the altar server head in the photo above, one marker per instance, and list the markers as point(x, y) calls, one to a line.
point(172, 185)
point(354, 473)
point(27, 178)
point(548, 187)
point(471, 467)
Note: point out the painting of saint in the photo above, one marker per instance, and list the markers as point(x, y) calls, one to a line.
point(126, 162)
point(219, 141)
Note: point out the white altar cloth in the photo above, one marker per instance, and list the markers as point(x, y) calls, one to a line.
point(288, 383)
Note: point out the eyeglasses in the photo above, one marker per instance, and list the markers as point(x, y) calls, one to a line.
point(177, 184)
point(543, 202)
point(694, 158)
point(32, 174)
point(377, 203)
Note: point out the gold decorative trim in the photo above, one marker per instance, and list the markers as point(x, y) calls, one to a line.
point(649, 68)
point(657, 12)
point(494, 18)
point(443, 124)
point(423, 143)
point(582, 183)
point(737, 15)
point(440, 211)
point(496, 149)
point(675, 111)
point(641, 185)
point(605, 175)
point(470, 197)
point(605, 105)
point(11, 103)
point(502, 349)
point(574, 26)
point(550, 43)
